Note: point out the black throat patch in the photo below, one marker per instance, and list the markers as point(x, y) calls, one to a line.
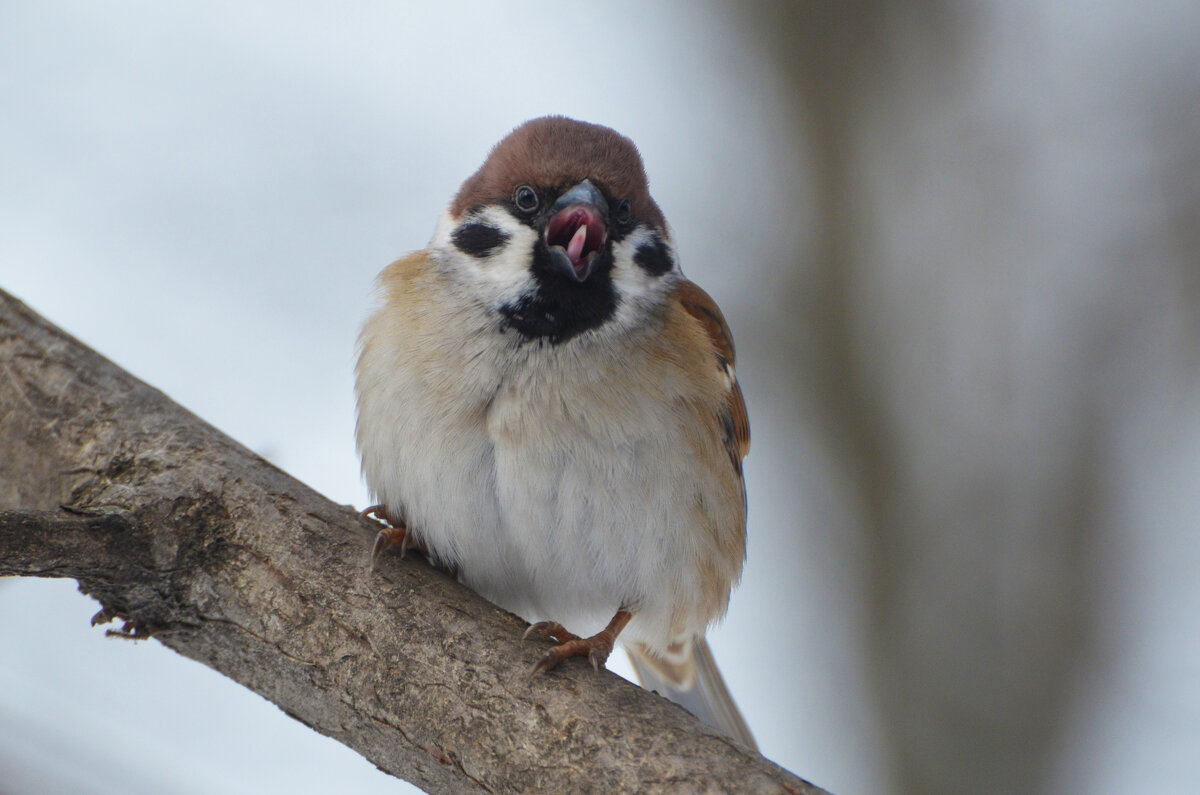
point(561, 308)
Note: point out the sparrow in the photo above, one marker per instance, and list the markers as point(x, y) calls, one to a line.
point(548, 408)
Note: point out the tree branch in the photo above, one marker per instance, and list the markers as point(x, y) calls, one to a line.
point(196, 541)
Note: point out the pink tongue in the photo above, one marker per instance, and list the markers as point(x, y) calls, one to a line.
point(575, 247)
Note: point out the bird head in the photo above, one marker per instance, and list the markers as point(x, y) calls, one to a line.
point(557, 234)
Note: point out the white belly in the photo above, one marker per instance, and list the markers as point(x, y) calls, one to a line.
point(592, 511)
point(555, 494)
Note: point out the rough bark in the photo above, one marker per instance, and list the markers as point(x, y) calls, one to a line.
point(192, 539)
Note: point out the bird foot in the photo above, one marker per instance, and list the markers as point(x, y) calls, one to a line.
point(596, 648)
point(394, 534)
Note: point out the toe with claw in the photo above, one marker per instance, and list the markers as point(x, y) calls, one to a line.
point(596, 648)
point(551, 629)
point(393, 534)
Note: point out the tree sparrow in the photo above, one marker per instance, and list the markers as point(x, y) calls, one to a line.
point(547, 406)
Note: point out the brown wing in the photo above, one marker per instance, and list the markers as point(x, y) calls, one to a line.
point(700, 305)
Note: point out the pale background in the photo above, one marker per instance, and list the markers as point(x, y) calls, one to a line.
point(957, 244)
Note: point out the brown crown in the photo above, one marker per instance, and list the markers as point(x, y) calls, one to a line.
point(554, 153)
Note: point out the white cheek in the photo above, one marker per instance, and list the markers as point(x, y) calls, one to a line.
point(499, 279)
point(638, 292)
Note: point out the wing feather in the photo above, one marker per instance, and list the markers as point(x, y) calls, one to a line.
point(701, 306)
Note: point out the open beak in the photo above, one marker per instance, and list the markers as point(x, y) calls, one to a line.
point(577, 230)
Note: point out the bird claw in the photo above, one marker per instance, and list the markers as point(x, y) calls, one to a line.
point(394, 533)
point(376, 513)
point(544, 664)
point(551, 629)
point(389, 536)
point(596, 648)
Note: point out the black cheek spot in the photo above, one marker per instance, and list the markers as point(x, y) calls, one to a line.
point(653, 257)
point(478, 240)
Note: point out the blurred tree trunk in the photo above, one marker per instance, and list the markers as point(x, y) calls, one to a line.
point(976, 580)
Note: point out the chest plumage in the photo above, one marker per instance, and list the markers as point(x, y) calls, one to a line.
point(565, 481)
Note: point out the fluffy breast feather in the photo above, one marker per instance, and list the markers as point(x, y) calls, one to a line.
point(563, 482)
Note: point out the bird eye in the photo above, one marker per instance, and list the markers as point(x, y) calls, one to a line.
point(624, 211)
point(525, 198)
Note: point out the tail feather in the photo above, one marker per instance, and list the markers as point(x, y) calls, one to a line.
point(696, 685)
